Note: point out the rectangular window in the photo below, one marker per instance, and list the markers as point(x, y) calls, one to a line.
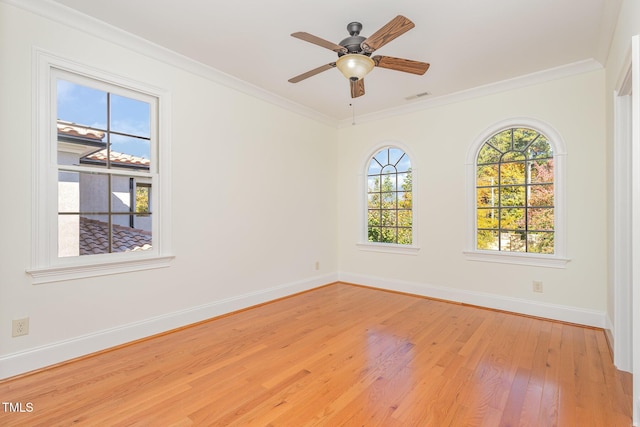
point(104, 145)
point(101, 200)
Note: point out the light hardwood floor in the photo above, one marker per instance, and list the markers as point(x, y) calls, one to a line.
point(340, 355)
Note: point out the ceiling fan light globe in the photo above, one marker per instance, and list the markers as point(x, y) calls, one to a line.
point(355, 65)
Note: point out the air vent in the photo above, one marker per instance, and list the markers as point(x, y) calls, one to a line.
point(418, 95)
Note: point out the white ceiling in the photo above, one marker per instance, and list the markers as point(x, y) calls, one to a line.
point(469, 43)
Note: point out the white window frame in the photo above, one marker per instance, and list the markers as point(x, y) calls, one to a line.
point(46, 265)
point(559, 258)
point(363, 238)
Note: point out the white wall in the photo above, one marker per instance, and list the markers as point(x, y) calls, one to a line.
point(233, 241)
point(248, 225)
point(439, 138)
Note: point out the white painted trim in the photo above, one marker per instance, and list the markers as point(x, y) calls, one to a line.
point(635, 221)
point(92, 26)
point(46, 266)
point(559, 258)
point(426, 103)
point(50, 354)
point(621, 259)
point(558, 312)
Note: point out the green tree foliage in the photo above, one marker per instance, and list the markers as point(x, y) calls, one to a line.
point(390, 214)
point(142, 199)
point(514, 192)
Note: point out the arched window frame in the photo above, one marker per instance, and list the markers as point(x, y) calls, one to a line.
point(363, 238)
point(559, 258)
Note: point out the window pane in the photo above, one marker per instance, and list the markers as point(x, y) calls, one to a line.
point(382, 157)
point(404, 236)
point(374, 167)
point(81, 105)
point(512, 196)
point(540, 148)
point(82, 192)
point(404, 181)
point(487, 175)
point(405, 218)
point(404, 164)
point(68, 235)
point(512, 219)
point(388, 217)
point(540, 219)
point(143, 199)
point(389, 200)
point(541, 195)
point(388, 235)
point(373, 183)
point(488, 154)
point(542, 243)
point(501, 141)
point(487, 239)
point(94, 235)
point(513, 156)
point(395, 155)
point(126, 239)
point(130, 152)
point(389, 182)
point(122, 194)
point(405, 200)
point(541, 171)
point(374, 234)
point(374, 200)
point(512, 173)
point(487, 196)
point(373, 217)
point(522, 137)
point(130, 116)
point(513, 242)
point(488, 218)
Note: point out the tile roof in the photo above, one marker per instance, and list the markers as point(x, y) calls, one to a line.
point(88, 134)
point(119, 158)
point(94, 238)
point(72, 129)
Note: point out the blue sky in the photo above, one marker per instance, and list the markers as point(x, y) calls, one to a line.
point(87, 106)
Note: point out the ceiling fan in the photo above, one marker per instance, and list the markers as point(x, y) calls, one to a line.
point(354, 53)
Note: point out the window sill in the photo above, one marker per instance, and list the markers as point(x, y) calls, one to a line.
point(535, 260)
point(388, 248)
point(80, 271)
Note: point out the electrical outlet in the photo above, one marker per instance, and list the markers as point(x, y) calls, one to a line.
point(20, 327)
point(316, 266)
point(537, 286)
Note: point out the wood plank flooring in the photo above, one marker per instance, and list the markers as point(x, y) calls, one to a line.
point(340, 355)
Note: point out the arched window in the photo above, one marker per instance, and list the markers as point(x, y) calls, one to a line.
point(390, 197)
point(518, 193)
point(514, 187)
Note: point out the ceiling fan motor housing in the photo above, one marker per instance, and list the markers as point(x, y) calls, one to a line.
point(354, 42)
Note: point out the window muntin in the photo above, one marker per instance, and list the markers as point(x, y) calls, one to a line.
point(104, 147)
point(389, 198)
point(515, 193)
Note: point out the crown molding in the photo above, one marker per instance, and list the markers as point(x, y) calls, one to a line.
point(550, 74)
point(72, 18)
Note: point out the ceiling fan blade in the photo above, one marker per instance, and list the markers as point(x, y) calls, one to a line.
point(394, 28)
point(313, 72)
point(400, 64)
point(320, 42)
point(357, 88)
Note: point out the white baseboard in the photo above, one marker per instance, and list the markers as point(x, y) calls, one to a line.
point(498, 302)
point(51, 354)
